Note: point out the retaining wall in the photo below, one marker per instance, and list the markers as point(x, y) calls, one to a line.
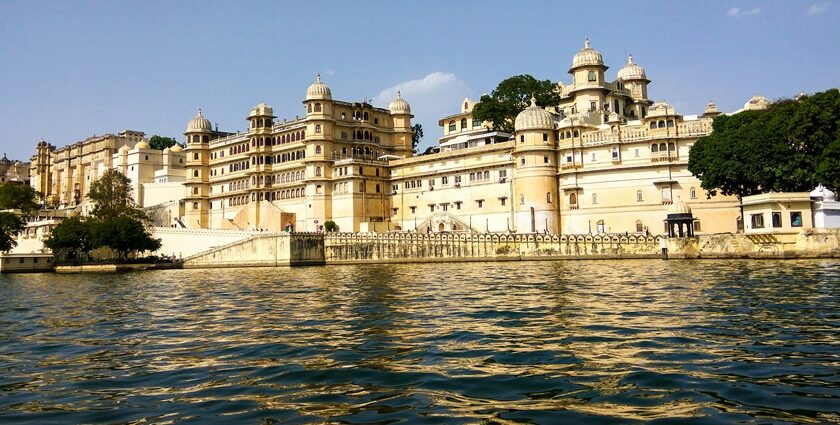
point(263, 250)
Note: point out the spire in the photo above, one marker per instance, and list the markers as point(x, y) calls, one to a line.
point(630, 59)
point(399, 95)
point(200, 113)
point(586, 43)
point(533, 101)
point(318, 78)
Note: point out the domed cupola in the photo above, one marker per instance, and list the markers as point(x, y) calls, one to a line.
point(5, 161)
point(631, 71)
point(176, 148)
point(318, 90)
point(399, 106)
point(587, 57)
point(711, 110)
point(534, 118)
point(142, 145)
point(261, 110)
point(199, 124)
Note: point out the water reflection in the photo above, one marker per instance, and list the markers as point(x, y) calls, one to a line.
point(521, 342)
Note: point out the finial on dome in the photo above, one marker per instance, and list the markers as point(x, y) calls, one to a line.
point(586, 43)
point(199, 112)
point(533, 101)
point(318, 78)
point(399, 94)
point(630, 59)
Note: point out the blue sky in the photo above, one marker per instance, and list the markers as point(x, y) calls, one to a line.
point(71, 69)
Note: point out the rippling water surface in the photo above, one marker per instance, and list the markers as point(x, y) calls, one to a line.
point(516, 342)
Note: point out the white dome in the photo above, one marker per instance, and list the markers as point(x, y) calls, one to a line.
point(261, 110)
point(399, 105)
point(534, 118)
point(631, 71)
point(124, 149)
point(199, 124)
point(587, 57)
point(757, 102)
point(822, 192)
point(318, 90)
point(176, 148)
point(661, 109)
point(679, 207)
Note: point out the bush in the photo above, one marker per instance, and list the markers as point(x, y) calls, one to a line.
point(330, 226)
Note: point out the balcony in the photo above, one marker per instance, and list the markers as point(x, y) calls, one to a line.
point(571, 166)
point(663, 156)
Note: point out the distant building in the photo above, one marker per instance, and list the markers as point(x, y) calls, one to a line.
point(14, 172)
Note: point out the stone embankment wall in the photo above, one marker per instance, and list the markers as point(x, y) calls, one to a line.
point(810, 243)
point(343, 248)
point(263, 250)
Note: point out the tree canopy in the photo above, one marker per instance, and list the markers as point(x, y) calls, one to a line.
point(160, 142)
point(416, 136)
point(124, 235)
point(72, 234)
point(10, 226)
point(18, 196)
point(790, 146)
point(111, 194)
point(510, 97)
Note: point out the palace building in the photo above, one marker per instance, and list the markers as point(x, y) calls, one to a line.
point(607, 159)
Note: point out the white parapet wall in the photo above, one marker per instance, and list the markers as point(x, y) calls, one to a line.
point(181, 242)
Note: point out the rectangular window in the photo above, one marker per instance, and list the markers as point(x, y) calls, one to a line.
point(593, 156)
point(457, 179)
point(568, 158)
point(444, 207)
point(432, 207)
point(502, 174)
point(757, 221)
point(545, 137)
point(458, 205)
point(431, 182)
point(479, 202)
point(444, 180)
point(503, 201)
point(666, 195)
point(545, 160)
point(795, 219)
point(593, 105)
point(413, 209)
point(777, 219)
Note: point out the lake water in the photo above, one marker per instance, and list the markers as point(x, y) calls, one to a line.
point(513, 342)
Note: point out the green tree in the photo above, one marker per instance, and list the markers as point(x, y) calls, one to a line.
point(112, 197)
point(160, 142)
point(10, 226)
point(72, 234)
point(791, 146)
point(510, 97)
point(124, 235)
point(18, 196)
point(416, 136)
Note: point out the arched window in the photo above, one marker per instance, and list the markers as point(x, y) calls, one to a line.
point(661, 124)
point(548, 197)
point(317, 107)
point(654, 148)
point(318, 189)
point(639, 226)
point(692, 193)
point(572, 199)
point(195, 173)
point(652, 125)
point(663, 147)
point(486, 175)
point(366, 116)
point(672, 147)
point(521, 199)
point(308, 108)
point(317, 149)
point(670, 123)
point(451, 126)
point(317, 128)
point(463, 124)
point(591, 76)
point(318, 171)
point(639, 196)
point(594, 198)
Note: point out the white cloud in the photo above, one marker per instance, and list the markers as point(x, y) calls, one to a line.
point(736, 12)
point(816, 8)
point(432, 97)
